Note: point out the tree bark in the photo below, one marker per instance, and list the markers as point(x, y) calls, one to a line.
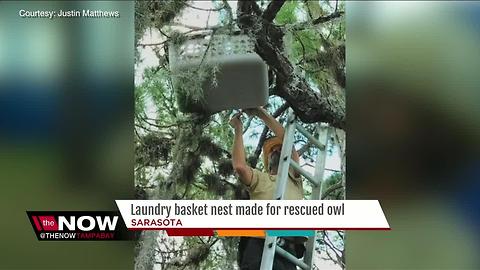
point(309, 105)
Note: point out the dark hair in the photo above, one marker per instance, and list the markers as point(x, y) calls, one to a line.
point(273, 161)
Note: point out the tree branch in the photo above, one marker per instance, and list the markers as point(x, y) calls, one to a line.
point(332, 188)
point(327, 18)
point(205, 9)
point(272, 9)
point(332, 58)
point(304, 148)
point(319, 20)
point(249, 7)
point(309, 105)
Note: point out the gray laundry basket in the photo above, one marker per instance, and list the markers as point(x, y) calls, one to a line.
point(237, 76)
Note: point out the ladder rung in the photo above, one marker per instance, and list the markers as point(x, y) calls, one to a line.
point(307, 175)
point(310, 137)
point(287, 255)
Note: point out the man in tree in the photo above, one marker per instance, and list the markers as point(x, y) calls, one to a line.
point(262, 186)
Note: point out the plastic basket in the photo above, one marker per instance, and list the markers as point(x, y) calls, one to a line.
point(241, 79)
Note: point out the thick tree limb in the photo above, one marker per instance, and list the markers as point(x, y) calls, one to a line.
point(309, 105)
point(249, 7)
point(272, 10)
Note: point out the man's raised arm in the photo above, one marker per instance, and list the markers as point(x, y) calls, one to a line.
point(239, 162)
point(269, 120)
point(275, 126)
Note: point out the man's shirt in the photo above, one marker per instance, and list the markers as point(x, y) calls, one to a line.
point(264, 185)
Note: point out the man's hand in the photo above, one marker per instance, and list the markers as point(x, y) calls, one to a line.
point(236, 122)
point(239, 162)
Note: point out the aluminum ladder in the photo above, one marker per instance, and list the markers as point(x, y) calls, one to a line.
point(316, 180)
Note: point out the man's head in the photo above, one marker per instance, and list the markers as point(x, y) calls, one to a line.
point(271, 154)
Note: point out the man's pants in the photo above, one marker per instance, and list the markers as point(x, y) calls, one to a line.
point(250, 255)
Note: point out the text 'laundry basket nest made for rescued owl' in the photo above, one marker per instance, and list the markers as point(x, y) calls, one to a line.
point(229, 74)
